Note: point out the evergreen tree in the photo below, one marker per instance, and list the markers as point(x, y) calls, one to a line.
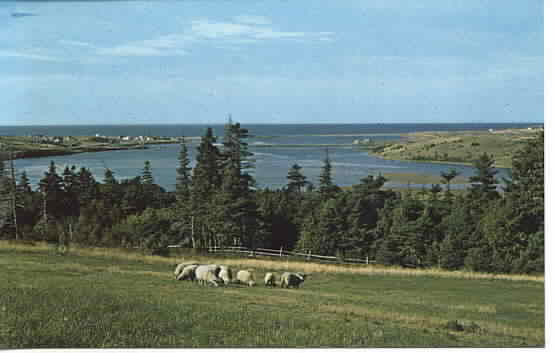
point(447, 178)
point(206, 182)
point(147, 178)
point(51, 187)
point(484, 182)
point(236, 202)
point(71, 191)
point(109, 177)
point(296, 180)
point(88, 187)
point(183, 175)
point(24, 185)
point(327, 188)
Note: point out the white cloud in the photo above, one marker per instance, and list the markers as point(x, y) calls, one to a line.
point(75, 43)
point(25, 55)
point(245, 30)
point(252, 20)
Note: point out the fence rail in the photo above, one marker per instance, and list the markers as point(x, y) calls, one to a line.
point(281, 253)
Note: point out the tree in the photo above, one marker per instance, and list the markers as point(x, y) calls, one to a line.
point(51, 187)
point(24, 185)
point(484, 181)
point(109, 177)
point(327, 188)
point(88, 187)
point(236, 202)
point(447, 178)
point(206, 182)
point(183, 175)
point(296, 180)
point(147, 178)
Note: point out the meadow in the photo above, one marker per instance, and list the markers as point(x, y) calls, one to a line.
point(457, 147)
point(109, 298)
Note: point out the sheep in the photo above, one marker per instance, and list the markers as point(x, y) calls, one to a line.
point(294, 280)
point(225, 274)
point(246, 277)
point(181, 266)
point(188, 272)
point(269, 279)
point(206, 274)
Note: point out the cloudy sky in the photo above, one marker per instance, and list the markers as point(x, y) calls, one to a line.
point(270, 61)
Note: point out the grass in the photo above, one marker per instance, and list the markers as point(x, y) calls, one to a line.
point(458, 147)
point(105, 298)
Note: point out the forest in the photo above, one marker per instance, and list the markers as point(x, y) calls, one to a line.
point(484, 228)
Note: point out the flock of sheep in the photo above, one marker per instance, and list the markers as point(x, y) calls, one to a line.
point(218, 274)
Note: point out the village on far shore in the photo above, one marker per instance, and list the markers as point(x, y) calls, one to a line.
point(30, 146)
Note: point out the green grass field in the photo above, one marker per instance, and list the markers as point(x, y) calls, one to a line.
point(462, 147)
point(106, 299)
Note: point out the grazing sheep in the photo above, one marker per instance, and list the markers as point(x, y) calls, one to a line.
point(181, 266)
point(188, 273)
point(246, 277)
point(206, 274)
point(294, 280)
point(225, 274)
point(269, 279)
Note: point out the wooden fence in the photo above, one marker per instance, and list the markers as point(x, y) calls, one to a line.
point(241, 250)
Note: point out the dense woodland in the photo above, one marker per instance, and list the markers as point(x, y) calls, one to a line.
point(217, 203)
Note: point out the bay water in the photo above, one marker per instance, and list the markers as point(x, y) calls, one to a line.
point(270, 144)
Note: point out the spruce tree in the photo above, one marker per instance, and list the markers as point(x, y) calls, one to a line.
point(24, 185)
point(236, 203)
point(109, 177)
point(484, 181)
point(147, 178)
point(183, 175)
point(327, 188)
point(206, 182)
point(296, 180)
point(447, 177)
point(88, 187)
point(51, 187)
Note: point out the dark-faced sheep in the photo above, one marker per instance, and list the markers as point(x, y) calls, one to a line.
point(292, 279)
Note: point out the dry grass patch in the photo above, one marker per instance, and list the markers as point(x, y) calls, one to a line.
point(308, 267)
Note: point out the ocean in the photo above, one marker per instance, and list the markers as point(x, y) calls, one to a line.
point(271, 163)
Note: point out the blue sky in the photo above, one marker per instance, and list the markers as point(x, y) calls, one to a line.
point(279, 61)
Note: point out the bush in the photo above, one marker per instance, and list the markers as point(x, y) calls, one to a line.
point(479, 259)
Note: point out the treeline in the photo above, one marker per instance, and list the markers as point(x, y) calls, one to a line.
point(217, 204)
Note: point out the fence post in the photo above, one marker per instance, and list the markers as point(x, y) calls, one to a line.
point(309, 254)
point(367, 260)
point(281, 252)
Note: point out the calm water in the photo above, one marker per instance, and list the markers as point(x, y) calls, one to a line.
point(272, 163)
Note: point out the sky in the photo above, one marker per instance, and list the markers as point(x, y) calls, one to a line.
point(270, 61)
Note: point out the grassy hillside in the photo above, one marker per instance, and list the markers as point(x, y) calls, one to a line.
point(106, 298)
point(457, 147)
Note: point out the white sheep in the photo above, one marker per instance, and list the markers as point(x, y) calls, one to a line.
point(181, 266)
point(289, 279)
point(188, 272)
point(225, 274)
point(270, 279)
point(206, 274)
point(246, 277)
